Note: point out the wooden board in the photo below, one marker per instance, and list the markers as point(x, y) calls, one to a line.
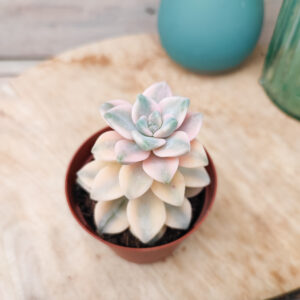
point(248, 247)
point(34, 29)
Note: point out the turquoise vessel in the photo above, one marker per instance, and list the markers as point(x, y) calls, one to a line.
point(210, 35)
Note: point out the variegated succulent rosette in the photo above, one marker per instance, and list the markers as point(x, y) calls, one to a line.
point(146, 167)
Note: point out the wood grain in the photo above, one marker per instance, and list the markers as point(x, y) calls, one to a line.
point(248, 247)
point(40, 28)
point(35, 29)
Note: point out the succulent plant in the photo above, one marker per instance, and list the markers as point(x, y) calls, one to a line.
point(146, 167)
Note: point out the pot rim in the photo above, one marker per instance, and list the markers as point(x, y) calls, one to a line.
point(199, 221)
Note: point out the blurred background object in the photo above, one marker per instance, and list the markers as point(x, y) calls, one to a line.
point(210, 35)
point(34, 30)
point(281, 78)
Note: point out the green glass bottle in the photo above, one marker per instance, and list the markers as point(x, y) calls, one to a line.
point(281, 73)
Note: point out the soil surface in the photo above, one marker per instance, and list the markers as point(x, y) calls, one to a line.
point(86, 207)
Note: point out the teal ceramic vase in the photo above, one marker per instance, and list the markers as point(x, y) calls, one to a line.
point(210, 35)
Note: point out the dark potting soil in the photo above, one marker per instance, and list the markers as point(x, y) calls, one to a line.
point(86, 206)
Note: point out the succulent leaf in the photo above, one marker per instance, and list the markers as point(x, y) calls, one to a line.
point(158, 91)
point(134, 181)
point(142, 126)
point(177, 144)
point(146, 216)
point(167, 128)
point(111, 216)
point(161, 169)
point(143, 106)
point(195, 177)
point(179, 217)
point(103, 148)
point(175, 106)
point(111, 104)
point(87, 174)
point(119, 118)
point(106, 185)
point(192, 125)
point(192, 192)
point(147, 143)
point(171, 193)
point(158, 236)
point(127, 152)
point(195, 158)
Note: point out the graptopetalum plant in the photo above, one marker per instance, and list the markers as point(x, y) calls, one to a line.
point(146, 167)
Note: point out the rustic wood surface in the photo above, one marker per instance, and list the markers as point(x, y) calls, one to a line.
point(248, 247)
point(39, 28)
point(33, 30)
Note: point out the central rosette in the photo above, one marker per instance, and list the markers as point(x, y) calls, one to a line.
point(149, 126)
point(155, 122)
point(148, 119)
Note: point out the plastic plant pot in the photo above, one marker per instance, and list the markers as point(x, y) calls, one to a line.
point(136, 255)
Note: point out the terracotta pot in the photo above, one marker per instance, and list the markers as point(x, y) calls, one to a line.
point(137, 255)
